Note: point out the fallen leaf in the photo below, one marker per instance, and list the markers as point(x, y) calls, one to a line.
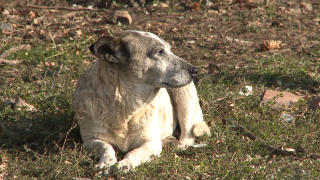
point(79, 32)
point(3, 166)
point(194, 7)
point(277, 24)
point(164, 5)
point(32, 14)
point(50, 63)
point(196, 167)
point(306, 6)
point(67, 162)
point(270, 45)
point(288, 149)
point(219, 142)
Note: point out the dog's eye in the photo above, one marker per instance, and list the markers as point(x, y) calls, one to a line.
point(161, 51)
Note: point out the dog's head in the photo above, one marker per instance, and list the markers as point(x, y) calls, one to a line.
point(144, 58)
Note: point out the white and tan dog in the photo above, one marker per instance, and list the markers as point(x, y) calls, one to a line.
point(133, 96)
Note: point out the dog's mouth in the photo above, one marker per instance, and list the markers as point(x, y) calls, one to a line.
point(174, 84)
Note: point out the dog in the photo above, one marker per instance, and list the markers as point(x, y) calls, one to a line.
point(136, 94)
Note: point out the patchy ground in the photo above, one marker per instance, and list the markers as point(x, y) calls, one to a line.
point(274, 46)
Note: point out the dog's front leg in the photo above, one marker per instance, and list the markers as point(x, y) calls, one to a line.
point(185, 103)
point(105, 152)
point(139, 155)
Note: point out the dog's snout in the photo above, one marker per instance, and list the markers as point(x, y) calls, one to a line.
point(193, 71)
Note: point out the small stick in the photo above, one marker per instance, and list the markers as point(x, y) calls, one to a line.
point(65, 8)
point(253, 137)
point(4, 62)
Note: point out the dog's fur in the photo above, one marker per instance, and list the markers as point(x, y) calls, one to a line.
point(134, 96)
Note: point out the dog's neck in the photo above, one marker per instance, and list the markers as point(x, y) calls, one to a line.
point(123, 97)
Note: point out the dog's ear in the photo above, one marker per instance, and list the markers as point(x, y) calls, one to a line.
point(109, 48)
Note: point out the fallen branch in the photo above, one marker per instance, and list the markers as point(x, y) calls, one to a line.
point(253, 137)
point(4, 62)
point(65, 8)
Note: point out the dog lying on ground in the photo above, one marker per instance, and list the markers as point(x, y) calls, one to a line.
point(134, 96)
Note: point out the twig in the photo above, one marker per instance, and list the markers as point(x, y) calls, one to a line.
point(65, 8)
point(253, 137)
point(74, 124)
point(4, 62)
point(55, 55)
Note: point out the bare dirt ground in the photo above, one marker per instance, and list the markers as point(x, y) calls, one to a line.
point(226, 33)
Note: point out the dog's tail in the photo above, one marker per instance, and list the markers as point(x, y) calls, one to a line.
point(200, 128)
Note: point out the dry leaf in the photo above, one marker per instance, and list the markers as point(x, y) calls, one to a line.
point(219, 142)
point(79, 33)
point(270, 45)
point(164, 5)
point(3, 166)
point(50, 63)
point(194, 7)
point(277, 24)
point(196, 167)
point(32, 14)
point(306, 6)
point(288, 149)
point(67, 162)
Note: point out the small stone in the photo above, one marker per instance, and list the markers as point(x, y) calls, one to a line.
point(288, 118)
point(281, 98)
point(123, 17)
point(6, 26)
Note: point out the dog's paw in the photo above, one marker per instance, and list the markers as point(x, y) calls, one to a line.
point(106, 162)
point(199, 128)
point(169, 141)
point(123, 165)
point(185, 143)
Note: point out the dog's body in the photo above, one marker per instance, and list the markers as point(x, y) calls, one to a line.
point(122, 102)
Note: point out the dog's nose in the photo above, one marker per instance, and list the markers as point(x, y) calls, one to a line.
point(193, 71)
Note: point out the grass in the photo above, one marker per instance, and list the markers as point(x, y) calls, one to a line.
point(35, 153)
point(34, 144)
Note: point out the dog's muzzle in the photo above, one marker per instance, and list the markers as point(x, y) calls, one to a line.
point(193, 71)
